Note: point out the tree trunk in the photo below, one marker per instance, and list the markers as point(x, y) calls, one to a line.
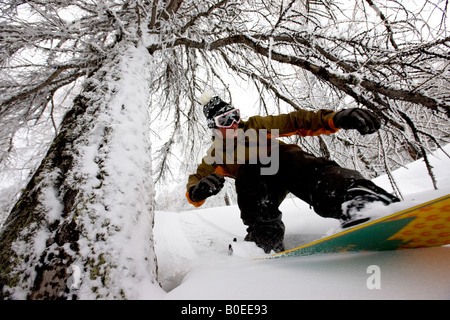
point(83, 226)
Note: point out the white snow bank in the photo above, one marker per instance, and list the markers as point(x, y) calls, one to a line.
point(407, 274)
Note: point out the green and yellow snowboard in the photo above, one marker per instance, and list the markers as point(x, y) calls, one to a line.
point(425, 225)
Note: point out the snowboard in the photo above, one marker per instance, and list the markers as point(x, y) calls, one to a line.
point(424, 225)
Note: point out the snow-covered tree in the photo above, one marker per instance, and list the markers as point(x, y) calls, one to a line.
point(83, 225)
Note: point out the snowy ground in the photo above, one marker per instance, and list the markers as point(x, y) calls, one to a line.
point(193, 262)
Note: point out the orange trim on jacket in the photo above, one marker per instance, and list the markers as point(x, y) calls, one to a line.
point(220, 170)
point(194, 203)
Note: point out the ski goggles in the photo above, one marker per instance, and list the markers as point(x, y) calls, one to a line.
point(227, 119)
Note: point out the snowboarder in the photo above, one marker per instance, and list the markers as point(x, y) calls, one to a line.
point(332, 191)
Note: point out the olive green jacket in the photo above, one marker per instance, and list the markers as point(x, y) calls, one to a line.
point(225, 159)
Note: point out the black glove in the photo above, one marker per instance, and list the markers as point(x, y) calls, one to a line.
point(208, 186)
point(362, 120)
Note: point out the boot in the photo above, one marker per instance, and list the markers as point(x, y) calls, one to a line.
point(358, 195)
point(267, 235)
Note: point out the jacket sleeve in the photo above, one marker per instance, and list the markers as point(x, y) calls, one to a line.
point(301, 122)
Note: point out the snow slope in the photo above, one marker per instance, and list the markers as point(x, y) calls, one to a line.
point(193, 262)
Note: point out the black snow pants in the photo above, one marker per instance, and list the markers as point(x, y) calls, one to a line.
point(319, 182)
